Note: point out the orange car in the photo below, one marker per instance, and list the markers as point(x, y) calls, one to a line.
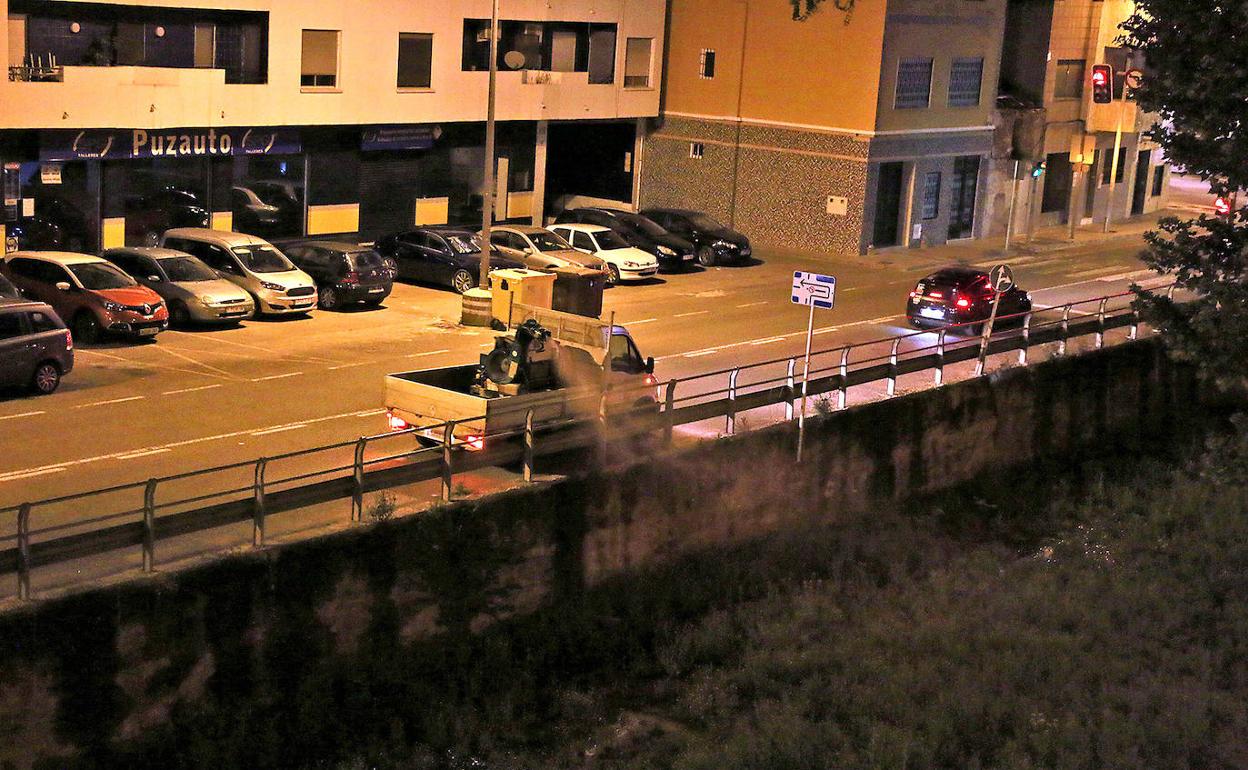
point(90, 293)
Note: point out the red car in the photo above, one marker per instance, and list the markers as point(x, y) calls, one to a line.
point(90, 293)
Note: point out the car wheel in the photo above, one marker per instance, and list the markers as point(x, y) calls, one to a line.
point(86, 328)
point(327, 298)
point(46, 378)
point(462, 281)
point(613, 274)
point(706, 257)
point(151, 238)
point(391, 264)
point(179, 315)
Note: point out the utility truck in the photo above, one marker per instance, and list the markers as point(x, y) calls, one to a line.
point(563, 367)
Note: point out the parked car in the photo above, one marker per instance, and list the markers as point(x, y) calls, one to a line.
point(672, 252)
point(344, 272)
point(8, 290)
point(715, 243)
point(90, 292)
point(540, 249)
point(960, 295)
point(192, 290)
point(253, 264)
point(449, 256)
point(148, 216)
point(34, 234)
point(252, 213)
point(624, 262)
point(36, 350)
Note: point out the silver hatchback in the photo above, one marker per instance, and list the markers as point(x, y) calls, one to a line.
point(192, 290)
point(36, 350)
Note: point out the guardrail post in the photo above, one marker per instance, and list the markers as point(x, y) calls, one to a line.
point(892, 367)
point(1133, 332)
point(669, 412)
point(1061, 345)
point(1022, 352)
point(149, 525)
point(1170, 291)
point(448, 433)
point(1100, 320)
point(23, 552)
point(789, 386)
point(528, 446)
point(257, 531)
point(602, 428)
point(843, 396)
point(939, 376)
point(732, 402)
point(357, 480)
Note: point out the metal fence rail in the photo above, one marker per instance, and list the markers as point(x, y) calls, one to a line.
point(154, 517)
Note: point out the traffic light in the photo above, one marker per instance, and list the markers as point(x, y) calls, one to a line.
point(1221, 206)
point(1102, 83)
point(1038, 169)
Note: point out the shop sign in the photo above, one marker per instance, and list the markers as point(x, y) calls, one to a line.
point(399, 137)
point(50, 173)
point(111, 144)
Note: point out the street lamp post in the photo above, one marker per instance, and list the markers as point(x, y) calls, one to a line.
point(487, 197)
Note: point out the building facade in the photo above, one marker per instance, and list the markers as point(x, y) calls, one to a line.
point(842, 132)
point(1049, 51)
point(304, 117)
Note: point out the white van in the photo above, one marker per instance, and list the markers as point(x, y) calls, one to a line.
point(252, 263)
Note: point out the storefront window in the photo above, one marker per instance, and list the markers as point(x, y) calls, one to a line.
point(267, 195)
point(56, 208)
point(156, 194)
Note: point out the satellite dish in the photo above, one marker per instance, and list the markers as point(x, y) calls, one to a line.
point(513, 59)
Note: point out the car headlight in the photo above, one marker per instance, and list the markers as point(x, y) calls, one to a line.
point(112, 307)
point(666, 251)
point(272, 286)
point(208, 301)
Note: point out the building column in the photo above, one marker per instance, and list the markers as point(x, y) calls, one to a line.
point(907, 221)
point(539, 174)
point(639, 138)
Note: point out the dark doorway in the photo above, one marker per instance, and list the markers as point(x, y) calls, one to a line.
point(1140, 192)
point(589, 159)
point(887, 205)
point(1057, 179)
point(962, 208)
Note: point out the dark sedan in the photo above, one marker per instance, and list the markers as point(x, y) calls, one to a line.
point(961, 295)
point(715, 243)
point(344, 272)
point(449, 256)
point(673, 252)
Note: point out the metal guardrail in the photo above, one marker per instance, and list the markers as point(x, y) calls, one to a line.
point(144, 526)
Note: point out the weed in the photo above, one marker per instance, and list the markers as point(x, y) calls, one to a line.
point(381, 508)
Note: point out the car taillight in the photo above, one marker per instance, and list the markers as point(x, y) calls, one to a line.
point(351, 277)
point(936, 294)
point(69, 340)
point(396, 422)
point(962, 302)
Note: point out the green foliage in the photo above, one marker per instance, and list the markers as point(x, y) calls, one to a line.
point(381, 508)
point(1197, 85)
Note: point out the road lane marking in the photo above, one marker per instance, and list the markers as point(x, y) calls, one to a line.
point(1127, 276)
point(148, 453)
point(15, 475)
point(642, 321)
point(190, 390)
point(694, 312)
point(767, 341)
point(697, 353)
point(219, 371)
point(426, 353)
point(276, 376)
point(110, 401)
point(753, 304)
point(279, 429)
point(23, 414)
point(346, 366)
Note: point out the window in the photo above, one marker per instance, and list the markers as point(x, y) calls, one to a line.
point(637, 62)
point(320, 59)
point(582, 241)
point(695, 150)
point(914, 84)
point(1159, 180)
point(552, 46)
point(42, 322)
point(415, 60)
point(1068, 79)
point(1107, 168)
point(931, 194)
point(10, 325)
point(707, 67)
point(965, 76)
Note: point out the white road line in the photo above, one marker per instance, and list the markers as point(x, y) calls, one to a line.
point(280, 428)
point(1127, 276)
point(15, 475)
point(346, 366)
point(367, 413)
point(427, 353)
point(1097, 272)
point(642, 321)
point(148, 453)
point(694, 312)
point(753, 304)
point(190, 390)
point(23, 414)
point(767, 341)
point(697, 353)
point(110, 401)
point(220, 372)
point(276, 376)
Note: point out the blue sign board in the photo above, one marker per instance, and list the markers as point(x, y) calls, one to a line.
point(814, 289)
point(399, 137)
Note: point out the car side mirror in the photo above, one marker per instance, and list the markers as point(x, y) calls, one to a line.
point(63, 285)
point(649, 364)
point(154, 278)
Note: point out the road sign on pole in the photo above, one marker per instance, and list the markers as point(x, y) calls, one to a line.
point(1001, 278)
point(813, 290)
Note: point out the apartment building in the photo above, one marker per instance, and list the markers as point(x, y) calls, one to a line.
point(1049, 50)
point(843, 132)
point(306, 117)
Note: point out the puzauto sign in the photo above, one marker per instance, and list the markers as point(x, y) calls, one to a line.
point(112, 144)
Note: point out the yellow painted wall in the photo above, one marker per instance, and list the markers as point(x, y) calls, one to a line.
point(335, 218)
point(519, 204)
point(113, 232)
point(431, 211)
point(222, 220)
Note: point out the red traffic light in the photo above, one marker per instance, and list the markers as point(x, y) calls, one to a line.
point(1102, 83)
point(1222, 207)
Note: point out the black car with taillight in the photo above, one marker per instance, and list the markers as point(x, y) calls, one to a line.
point(344, 272)
point(961, 295)
point(715, 244)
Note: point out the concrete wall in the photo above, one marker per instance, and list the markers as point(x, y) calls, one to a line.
point(273, 658)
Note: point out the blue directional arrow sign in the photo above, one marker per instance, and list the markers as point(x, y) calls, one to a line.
point(813, 289)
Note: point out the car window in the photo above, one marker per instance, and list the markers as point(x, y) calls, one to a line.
point(516, 241)
point(610, 239)
point(263, 259)
point(364, 260)
point(42, 322)
point(185, 269)
point(464, 244)
point(582, 240)
point(546, 241)
point(703, 222)
point(99, 276)
point(624, 355)
point(10, 325)
point(643, 224)
point(7, 289)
